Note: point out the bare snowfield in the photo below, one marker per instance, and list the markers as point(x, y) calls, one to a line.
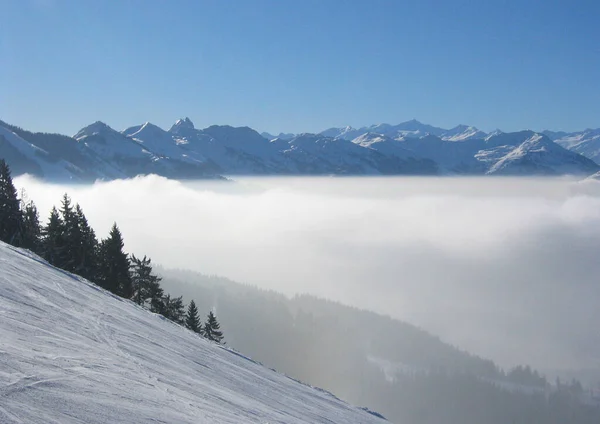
point(71, 352)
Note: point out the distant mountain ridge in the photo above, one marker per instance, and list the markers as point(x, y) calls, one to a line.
point(98, 151)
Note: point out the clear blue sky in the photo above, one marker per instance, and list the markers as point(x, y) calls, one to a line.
point(301, 65)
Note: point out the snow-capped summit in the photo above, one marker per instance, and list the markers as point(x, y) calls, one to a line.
point(116, 153)
point(370, 138)
point(586, 142)
point(182, 124)
point(96, 128)
point(145, 131)
point(383, 144)
point(499, 138)
point(346, 132)
point(463, 132)
point(538, 155)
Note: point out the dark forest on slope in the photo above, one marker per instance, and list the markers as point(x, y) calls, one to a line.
point(392, 367)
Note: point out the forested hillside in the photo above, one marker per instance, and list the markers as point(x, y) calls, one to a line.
point(398, 369)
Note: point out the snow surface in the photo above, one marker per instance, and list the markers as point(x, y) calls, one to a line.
point(73, 353)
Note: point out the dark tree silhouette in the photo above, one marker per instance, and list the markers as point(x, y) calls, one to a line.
point(53, 240)
point(174, 309)
point(10, 212)
point(192, 319)
point(212, 329)
point(86, 252)
point(31, 230)
point(113, 265)
point(144, 283)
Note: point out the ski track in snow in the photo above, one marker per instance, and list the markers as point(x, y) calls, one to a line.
point(71, 352)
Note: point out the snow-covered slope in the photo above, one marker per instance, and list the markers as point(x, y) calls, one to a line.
point(26, 158)
point(73, 353)
point(463, 132)
point(586, 143)
point(538, 155)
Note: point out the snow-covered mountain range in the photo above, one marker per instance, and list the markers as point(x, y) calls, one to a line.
point(410, 148)
point(73, 353)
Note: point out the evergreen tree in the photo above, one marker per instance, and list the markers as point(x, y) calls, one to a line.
point(145, 285)
point(32, 231)
point(174, 309)
point(10, 213)
point(192, 320)
point(212, 329)
point(72, 237)
point(53, 240)
point(156, 296)
point(86, 252)
point(113, 265)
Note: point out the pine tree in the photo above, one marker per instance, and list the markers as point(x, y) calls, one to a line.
point(86, 252)
point(72, 237)
point(53, 240)
point(10, 213)
point(156, 296)
point(144, 283)
point(31, 237)
point(174, 309)
point(113, 265)
point(212, 329)
point(192, 320)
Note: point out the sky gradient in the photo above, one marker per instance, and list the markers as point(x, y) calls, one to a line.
point(300, 66)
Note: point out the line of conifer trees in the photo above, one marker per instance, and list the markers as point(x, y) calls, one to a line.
point(67, 241)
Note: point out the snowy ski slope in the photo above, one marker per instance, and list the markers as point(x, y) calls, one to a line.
point(73, 353)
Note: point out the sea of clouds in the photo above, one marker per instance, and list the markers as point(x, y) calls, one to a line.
point(508, 268)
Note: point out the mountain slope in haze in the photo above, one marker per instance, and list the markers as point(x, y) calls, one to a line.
point(402, 371)
point(185, 152)
point(72, 353)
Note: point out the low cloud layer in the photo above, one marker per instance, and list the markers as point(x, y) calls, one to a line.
point(506, 268)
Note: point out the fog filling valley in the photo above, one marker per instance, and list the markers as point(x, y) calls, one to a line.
point(505, 268)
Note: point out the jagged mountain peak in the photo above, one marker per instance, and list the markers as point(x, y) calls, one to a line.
point(148, 129)
point(462, 133)
point(97, 127)
point(182, 124)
